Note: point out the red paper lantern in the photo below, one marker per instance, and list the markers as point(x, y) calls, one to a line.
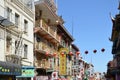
point(70, 53)
point(95, 51)
point(86, 52)
point(50, 55)
point(62, 54)
point(47, 54)
point(102, 49)
point(77, 53)
point(54, 54)
point(54, 74)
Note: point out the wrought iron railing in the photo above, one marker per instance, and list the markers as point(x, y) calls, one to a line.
point(42, 63)
point(43, 25)
point(12, 58)
point(44, 47)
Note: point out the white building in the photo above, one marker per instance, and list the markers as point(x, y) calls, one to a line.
point(98, 76)
point(16, 35)
point(91, 70)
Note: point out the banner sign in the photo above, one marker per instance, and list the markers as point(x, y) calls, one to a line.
point(62, 56)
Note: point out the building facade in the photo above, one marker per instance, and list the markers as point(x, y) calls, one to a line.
point(53, 48)
point(75, 62)
point(52, 42)
point(46, 40)
point(16, 34)
point(113, 71)
point(35, 44)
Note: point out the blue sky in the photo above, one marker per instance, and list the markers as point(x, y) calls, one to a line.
point(92, 27)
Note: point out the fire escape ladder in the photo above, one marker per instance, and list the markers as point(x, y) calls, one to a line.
point(18, 45)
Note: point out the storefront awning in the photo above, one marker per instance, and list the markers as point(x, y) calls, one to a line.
point(9, 68)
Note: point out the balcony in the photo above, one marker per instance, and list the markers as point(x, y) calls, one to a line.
point(112, 64)
point(113, 70)
point(12, 58)
point(112, 67)
point(46, 31)
point(75, 67)
point(56, 68)
point(50, 3)
point(48, 9)
point(43, 64)
point(42, 47)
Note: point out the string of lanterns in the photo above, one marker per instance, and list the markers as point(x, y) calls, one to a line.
point(95, 51)
point(71, 53)
point(51, 55)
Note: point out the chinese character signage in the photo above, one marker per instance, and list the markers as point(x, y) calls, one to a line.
point(62, 57)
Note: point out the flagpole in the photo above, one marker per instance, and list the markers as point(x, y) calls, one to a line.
point(72, 26)
point(91, 58)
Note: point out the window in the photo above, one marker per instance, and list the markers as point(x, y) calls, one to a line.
point(25, 50)
point(25, 26)
point(1, 34)
point(63, 42)
point(16, 47)
point(8, 44)
point(38, 38)
point(17, 20)
point(9, 13)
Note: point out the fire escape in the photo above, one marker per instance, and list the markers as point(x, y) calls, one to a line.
point(12, 55)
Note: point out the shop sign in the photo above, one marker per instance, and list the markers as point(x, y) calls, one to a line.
point(9, 68)
point(27, 71)
point(41, 78)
